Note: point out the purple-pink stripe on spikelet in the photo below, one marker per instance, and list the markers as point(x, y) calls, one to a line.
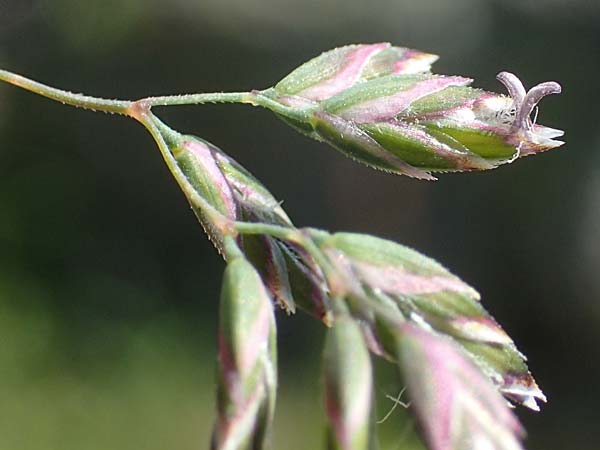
point(399, 281)
point(348, 385)
point(246, 371)
point(456, 405)
point(384, 108)
point(204, 157)
point(347, 76)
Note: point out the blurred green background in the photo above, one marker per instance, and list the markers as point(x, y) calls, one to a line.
point(108, 287)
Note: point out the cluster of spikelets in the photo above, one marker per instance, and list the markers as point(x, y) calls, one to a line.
point(382, 106)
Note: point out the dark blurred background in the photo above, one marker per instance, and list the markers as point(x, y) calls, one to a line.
point(109, 289)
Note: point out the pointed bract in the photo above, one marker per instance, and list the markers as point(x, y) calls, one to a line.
point(457, 408)
point(307, 284)
point(196, 159)
point(266, 255)
point(348, 386)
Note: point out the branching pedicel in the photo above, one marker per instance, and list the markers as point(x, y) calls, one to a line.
point(380, 105)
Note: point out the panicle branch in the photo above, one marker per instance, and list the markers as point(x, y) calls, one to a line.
point(380, 105)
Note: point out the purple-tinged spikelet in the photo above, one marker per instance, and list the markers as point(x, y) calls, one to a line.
point(429, 296)
point(247, 368)
point(456, 406)
point(380, 105)
point(348, 382)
